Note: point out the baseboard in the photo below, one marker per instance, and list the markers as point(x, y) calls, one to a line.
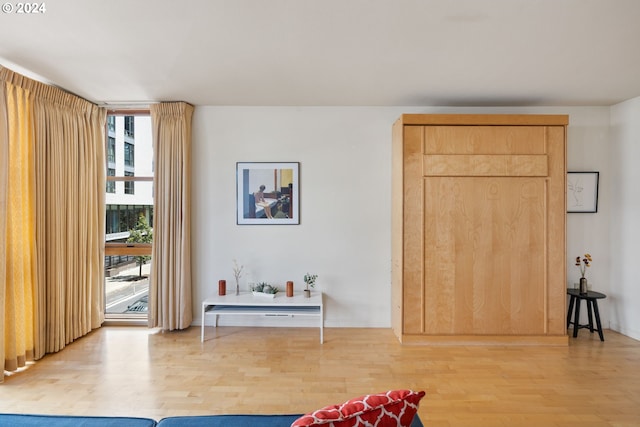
point(629, 332)
point(490, 340)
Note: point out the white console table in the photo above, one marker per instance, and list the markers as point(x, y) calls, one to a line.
point(247, 304)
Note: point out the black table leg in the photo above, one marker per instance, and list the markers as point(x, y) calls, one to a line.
point(589, 310)
point(597, 313)
point(572, 300)
point(576, 320)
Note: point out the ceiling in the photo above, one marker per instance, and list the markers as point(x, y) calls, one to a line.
point(332, 52)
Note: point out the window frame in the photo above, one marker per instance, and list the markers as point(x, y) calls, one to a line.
point(125, 249)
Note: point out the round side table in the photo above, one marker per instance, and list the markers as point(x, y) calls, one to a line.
point(592, 298)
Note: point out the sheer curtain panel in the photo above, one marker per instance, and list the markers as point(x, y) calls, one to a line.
point(170, 302)
point(52, 217)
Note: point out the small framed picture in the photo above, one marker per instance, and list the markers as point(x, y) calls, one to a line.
point(267, 193)
point(582, 192)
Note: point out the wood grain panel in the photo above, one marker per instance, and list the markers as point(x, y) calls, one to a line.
point(485, 240)
point(485, 119)
point(397, 226)
point(556, 230)
point(487, 340)
point(413, 321)
point(484, 140)
point(485, 165)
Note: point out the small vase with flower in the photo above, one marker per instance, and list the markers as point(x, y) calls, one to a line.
point(582, 263)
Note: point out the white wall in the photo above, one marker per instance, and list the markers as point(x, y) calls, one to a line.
point(588, 149)
point(345, 189)
point(624, 224)
point(345, 192)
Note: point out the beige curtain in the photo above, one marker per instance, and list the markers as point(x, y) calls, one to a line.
point(51, 288)
point(170, 302)
point(18, 256)
point(4, 187)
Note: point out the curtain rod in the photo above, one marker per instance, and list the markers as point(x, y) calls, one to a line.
point(129, 112)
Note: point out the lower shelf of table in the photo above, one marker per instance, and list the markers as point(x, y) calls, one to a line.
point(262, 310)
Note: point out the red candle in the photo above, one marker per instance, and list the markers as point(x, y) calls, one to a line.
point(289, 288)
point(222, 287)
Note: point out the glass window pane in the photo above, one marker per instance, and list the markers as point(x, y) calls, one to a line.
point(111, 185)
point(111, 123)
point(126, 284)
point(129, 186)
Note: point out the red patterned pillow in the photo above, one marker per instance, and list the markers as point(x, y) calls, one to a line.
point(395, 408)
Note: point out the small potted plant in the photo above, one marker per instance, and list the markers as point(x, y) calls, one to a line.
point(310, 282)
point(265, 290)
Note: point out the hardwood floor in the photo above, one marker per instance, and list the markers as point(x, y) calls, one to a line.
point(141, 372)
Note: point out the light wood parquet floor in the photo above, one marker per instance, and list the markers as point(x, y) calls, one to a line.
point(134, 371)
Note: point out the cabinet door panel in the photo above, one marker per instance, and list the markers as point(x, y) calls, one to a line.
point(484, 255)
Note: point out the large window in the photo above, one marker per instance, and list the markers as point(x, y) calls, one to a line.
point(129, 215)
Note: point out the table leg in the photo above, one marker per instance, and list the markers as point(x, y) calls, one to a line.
point(589, 311)
point(576, 320)
point(572, 300)
point(321, 325)
point(597, 313)
point(202, 327)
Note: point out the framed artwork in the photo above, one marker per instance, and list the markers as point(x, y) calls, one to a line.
point(267, 193)
point(582, 192)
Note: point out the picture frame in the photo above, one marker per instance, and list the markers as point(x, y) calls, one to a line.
point(267, 193)
point(582, 192)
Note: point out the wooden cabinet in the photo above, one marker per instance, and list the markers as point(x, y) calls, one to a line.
point(478, 229)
